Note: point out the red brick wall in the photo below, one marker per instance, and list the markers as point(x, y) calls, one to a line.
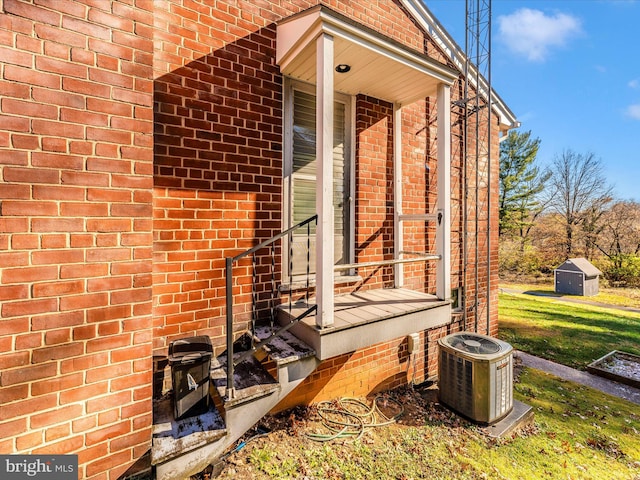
point(218, 153)
point(218, 164)
point(75, 231)
point(419, 190)
point(218, 161)
point(109, 251)
point(371, 370)
point(374, 369)
point(374, 190)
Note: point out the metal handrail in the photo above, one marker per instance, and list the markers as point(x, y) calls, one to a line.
point(229, 299)
point(275, 238)
point(395, 261)
point(231, 363)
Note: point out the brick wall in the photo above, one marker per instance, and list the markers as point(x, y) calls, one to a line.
point(109, 251)
point(218, 162)
point(75, 231)
point(374, 189)
point(218, 144)
point(218, 165)
point(371, 370)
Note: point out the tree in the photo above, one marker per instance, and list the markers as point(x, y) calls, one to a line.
point(620, 242)
point(520, 183)
point(579, 194)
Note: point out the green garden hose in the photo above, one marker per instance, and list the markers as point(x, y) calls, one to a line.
point(350, 417)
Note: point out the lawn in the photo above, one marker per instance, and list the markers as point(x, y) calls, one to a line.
point(625, 297)
point(567, 333)
point(579, 433)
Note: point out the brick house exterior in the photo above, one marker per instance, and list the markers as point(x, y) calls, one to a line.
point(143, 142)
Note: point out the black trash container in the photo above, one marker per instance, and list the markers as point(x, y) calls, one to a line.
point(190, 360)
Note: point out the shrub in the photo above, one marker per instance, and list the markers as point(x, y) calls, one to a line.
point(622, 270)
point(517, 258)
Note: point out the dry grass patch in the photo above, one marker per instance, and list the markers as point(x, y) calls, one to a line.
point(578, 433)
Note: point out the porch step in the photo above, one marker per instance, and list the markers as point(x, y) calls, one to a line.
point(285, 348)
point(173, 437)
point(256, 393)
point(250, 379)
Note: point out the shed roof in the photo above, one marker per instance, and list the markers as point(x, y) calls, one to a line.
point(580, 265)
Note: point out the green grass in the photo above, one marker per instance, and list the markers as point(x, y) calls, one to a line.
point(567, 333)
point(579, 433)
point(624, 297)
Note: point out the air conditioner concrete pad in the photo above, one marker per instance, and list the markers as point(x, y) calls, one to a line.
point(521, 415)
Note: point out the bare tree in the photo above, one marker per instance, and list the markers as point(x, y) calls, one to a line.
point(620, 243)
point(621, 231)
point(580, 195)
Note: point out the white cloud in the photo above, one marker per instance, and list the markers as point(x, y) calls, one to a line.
point(635, 83)
point(533, 34)
point(633, 111)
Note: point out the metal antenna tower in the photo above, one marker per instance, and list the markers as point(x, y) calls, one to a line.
point(477, 146)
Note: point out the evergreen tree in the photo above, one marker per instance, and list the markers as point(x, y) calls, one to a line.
point(520, 183)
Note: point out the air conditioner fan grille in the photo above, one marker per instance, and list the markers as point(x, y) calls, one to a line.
point(470, 343)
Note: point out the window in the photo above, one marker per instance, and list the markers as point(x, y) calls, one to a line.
point(300, 171)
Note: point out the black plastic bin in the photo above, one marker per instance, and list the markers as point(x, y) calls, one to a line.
point(190, 360)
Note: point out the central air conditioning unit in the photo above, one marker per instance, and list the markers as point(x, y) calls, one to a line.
point(476, 376)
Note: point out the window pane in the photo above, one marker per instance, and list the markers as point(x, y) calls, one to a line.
point(304, 170)
point(304, 133)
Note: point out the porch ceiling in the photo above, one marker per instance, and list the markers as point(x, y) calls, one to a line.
point(380, 66)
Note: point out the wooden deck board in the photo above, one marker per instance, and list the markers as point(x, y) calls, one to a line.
point(370, 306)
point(365, 318)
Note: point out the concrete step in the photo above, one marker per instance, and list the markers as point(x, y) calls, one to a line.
point(250, 381)
point(256, 393)
point(172, 438)
point(285, 348)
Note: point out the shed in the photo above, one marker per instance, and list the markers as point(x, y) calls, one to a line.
point(577, 276)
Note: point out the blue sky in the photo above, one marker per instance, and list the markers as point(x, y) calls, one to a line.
point(570, 71)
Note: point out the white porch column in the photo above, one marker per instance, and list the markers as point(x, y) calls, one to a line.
point(398, 238)
point(443, 228)
point(324, 176)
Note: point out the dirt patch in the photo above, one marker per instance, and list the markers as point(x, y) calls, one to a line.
point(288, 430)
point(284, 437)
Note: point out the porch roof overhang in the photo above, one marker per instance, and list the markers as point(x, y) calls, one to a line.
point(380, 66)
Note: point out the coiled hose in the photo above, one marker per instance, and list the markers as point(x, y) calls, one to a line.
point(350, 417)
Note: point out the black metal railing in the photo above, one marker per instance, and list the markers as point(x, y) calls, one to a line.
point(230, 261)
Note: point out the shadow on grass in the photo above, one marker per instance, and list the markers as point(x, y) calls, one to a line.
point(566, 333)
point(545, 293)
